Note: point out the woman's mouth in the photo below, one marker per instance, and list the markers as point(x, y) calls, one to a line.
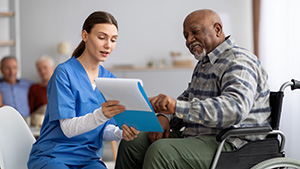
point(104, 53)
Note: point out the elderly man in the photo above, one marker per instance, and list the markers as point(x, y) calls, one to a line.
point(228, 88)
point(14, 91)
point(38, 92)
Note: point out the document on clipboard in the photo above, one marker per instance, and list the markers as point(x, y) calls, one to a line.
point(130, 93)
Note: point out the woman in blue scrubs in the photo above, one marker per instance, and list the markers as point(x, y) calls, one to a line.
point(77, 119)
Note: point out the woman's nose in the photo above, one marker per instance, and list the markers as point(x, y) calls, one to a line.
point(107, 44)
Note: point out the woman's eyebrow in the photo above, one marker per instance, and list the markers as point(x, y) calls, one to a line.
point(107, 34)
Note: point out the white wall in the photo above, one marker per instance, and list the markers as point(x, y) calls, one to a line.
point(147, 29)
point(280, 56)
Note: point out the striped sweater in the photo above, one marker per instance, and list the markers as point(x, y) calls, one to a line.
point(228, 88)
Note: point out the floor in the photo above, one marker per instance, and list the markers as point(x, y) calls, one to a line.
point(110, 164)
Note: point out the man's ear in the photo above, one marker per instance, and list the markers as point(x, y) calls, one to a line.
point(84, 35)
point(218, 29)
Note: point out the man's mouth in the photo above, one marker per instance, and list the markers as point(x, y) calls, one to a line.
point(194, 46)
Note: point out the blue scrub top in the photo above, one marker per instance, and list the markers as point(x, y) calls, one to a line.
point(70, 94)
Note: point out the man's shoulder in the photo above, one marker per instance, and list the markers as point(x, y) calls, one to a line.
point(25, 82)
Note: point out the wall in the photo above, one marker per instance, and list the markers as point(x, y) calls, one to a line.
point(169, 81)
point(279, 55)
point(147, 29)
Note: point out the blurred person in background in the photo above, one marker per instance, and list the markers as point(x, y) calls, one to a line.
point(38, 92)
point(14, 91)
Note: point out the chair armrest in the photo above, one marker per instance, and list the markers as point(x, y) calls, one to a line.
point(230, 132)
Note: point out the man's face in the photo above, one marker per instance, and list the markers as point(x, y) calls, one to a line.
point(9, 69)
point(199, 35)
point(45, 70)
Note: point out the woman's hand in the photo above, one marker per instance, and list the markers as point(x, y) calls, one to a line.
point(111, 108)
point(129, 133)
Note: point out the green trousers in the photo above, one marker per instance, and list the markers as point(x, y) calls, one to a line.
point(171, 153)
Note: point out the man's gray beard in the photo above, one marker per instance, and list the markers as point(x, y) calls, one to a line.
point(199, 56)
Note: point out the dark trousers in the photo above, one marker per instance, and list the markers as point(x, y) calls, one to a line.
point(170, 153)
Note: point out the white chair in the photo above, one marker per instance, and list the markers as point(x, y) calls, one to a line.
point(16, 139)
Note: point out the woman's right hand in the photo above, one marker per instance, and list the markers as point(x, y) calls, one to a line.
point(111, 108)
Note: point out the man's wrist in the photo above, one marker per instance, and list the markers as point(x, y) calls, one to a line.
point(162, 114)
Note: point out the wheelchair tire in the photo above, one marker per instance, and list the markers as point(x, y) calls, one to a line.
point(278, 162)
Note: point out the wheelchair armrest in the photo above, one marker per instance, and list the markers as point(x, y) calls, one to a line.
point(229, 132)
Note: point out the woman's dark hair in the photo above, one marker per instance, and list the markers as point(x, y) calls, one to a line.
point(97, 17)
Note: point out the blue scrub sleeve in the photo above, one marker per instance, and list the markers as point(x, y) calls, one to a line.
point(60, 96)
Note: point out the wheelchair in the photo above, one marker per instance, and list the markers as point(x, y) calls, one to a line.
point(259, 154)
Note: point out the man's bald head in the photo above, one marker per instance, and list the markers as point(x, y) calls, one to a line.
point(206, 16)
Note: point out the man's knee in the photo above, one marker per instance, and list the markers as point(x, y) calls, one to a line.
point(139, 143)
point(131, 153)
point(159, 147)
point(159, 155)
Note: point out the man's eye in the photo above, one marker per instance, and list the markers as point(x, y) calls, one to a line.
point(196, 31)
point(185, 36)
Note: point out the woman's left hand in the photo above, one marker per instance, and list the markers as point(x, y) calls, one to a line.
point(129, 133)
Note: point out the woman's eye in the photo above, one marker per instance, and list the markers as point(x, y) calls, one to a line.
point(113, 40)
point(101, 37)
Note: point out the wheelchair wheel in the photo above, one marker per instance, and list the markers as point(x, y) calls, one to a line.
point(280, 162)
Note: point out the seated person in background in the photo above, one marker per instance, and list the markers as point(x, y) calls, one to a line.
point(38, 92)
point(14, 91)
point(228, 88)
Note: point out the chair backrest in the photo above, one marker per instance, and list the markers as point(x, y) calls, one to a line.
point(16, 139)
point(276, 99)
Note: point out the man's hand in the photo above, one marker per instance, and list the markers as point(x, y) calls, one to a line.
point(129, 133)
point(163, 104)
point(111, 108)
point(164, 122)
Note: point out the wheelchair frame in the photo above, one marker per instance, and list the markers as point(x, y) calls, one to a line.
point(274, 130)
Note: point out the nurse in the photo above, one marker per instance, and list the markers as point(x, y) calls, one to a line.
point(77, 119)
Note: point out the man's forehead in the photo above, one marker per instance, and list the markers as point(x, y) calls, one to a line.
point(192, 25)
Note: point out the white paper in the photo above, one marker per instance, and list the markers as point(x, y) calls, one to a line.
point(125, 90)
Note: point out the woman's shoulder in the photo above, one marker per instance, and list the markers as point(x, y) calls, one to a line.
point(67, 66)
point(103, 72)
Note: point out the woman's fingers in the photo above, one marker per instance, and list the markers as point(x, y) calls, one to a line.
point(110, 103)
point(111, 108)
point(129, 133)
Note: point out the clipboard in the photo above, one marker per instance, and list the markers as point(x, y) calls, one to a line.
point(130, 93)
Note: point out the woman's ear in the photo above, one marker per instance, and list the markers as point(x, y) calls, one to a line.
point(84, 35)
point(218, 29)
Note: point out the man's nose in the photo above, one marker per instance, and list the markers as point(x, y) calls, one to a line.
point(189, 40)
